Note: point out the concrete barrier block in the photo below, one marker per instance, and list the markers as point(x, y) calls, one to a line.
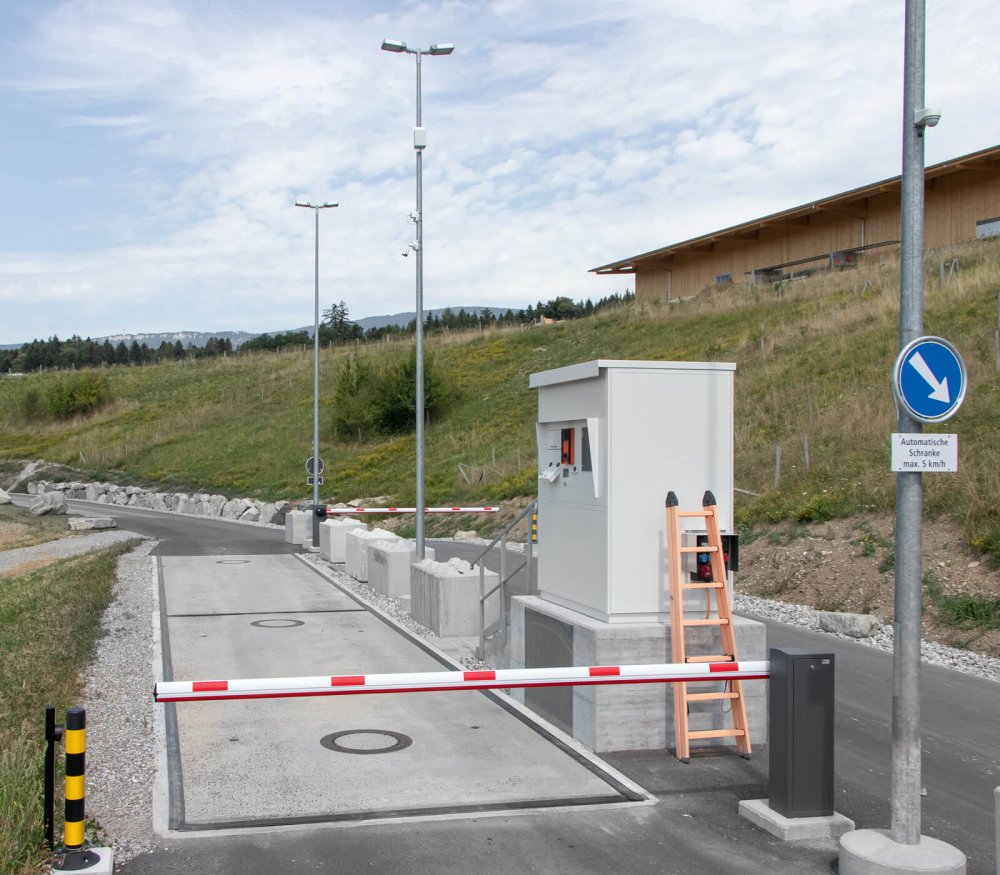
point(355, 554)
point(389, 566)
point(298, 527)
point(445, 597)
point(332, 538)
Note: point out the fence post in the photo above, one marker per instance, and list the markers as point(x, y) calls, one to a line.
point(53, 734)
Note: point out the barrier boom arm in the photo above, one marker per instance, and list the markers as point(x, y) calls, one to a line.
point(441, 681)
point(346, 511)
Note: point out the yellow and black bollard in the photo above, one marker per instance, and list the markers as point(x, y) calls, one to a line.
point(534, 527)
point(74, 852)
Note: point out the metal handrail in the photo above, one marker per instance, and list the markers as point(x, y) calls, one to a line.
point(501, 539)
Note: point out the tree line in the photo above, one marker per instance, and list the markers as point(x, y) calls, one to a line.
point(77, 353)
point(336, 329)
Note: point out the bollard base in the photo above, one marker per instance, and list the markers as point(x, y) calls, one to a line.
point(93, 861)
point(790, 829)
point(873, 852)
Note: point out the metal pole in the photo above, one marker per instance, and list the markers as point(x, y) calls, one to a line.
point(53, 734)
point(419, 375)
point(315, 516)
point(905, 800)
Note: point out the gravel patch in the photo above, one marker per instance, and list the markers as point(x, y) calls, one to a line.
point(64, 548)
point(121, 763)
point(932, 653)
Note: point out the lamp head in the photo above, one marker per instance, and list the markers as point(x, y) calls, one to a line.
point(393, 45)
point(441, 49)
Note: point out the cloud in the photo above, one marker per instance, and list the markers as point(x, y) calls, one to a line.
point(561, 136)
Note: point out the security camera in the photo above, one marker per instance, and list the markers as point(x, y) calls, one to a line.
point(926, 117)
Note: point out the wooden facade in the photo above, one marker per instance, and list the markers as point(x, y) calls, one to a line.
point(861, 223)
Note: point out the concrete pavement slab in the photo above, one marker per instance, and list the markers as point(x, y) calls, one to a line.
point(262, 762)
point(247, 584)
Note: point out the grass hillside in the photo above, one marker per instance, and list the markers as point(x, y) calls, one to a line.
point(814, 358)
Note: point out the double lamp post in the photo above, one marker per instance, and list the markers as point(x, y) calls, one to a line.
point(419, 144)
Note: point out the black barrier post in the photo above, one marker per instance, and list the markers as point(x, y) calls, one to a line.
point(800, 712)
point(53, 734)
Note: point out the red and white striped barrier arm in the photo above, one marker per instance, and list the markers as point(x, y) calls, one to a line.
point(440, 681)
point(345, 511)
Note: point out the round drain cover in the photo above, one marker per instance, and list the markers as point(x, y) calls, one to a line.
point(366, 741)
point(277, 623)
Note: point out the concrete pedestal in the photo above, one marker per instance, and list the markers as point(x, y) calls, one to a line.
point(627, 717)
point(873, 852)
point(791, 829)
point(445, 598)
point(332, 534)
point(355, 552)
point(298, 527)
point(389, 566)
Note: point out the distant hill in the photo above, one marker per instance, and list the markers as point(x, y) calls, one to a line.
point(404, 319)
point(200, 338)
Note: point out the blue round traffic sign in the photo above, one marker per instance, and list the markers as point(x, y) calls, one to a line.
point(930, 379)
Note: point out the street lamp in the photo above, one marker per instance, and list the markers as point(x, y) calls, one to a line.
point(316, 461)
point(419, 144)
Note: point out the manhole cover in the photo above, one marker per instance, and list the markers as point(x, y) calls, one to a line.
point(366, 741)
point(233, 562)
point(277, 623)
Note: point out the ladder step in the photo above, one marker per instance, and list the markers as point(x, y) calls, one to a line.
point(717, 733)
point(722, 657)
point(710, 584)
point(699, 549)
point(709, 697)
point(711, 621)
point(695, 513)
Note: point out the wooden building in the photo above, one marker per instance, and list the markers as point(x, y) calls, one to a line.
point(962, 201)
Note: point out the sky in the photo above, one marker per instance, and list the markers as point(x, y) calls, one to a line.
point(151, 152)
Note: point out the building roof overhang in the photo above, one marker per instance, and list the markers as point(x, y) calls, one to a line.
point(847, 203)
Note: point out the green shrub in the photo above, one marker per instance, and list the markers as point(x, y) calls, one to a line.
point(354, 388)
point(380, 402)
point(76, 395)
point(30, 406)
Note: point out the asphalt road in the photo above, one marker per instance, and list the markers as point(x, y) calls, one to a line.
point(694, 827)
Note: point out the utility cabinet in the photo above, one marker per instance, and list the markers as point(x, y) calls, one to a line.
point(613, 438)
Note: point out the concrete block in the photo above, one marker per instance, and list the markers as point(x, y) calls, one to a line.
point(389, 565)
point(355, 554)
point(445, 597)
point(332, 535)
point(639, 716)
point(298, 527)
point(790, 829)
point(4, 497)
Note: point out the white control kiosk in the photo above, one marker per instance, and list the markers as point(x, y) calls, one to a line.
point(613, 438)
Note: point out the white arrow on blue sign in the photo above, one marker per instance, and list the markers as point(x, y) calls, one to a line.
point(930, 379)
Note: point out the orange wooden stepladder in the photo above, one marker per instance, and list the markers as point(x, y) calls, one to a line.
point(721, 618)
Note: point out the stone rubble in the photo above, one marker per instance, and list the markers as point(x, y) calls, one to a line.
point(54, 495)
